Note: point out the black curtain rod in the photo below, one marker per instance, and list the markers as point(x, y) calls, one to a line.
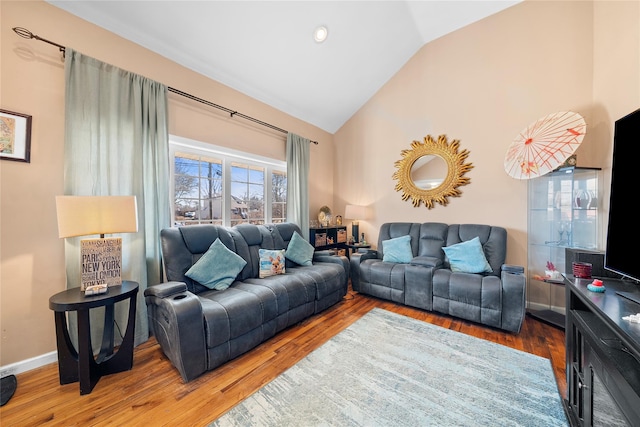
point(230, 111)
point(23, 32)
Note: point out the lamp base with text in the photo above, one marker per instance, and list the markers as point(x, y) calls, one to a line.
point(101, 264)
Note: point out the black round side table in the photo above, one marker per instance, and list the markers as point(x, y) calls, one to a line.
point(81, 365)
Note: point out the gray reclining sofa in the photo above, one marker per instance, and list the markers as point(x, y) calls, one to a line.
point(199, 328)
point(426, 280)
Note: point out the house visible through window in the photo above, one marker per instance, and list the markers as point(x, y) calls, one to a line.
point(215, 185)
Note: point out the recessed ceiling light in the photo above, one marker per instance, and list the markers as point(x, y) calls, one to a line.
point(320, 34)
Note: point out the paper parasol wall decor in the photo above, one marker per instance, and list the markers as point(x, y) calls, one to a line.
point(544, 145)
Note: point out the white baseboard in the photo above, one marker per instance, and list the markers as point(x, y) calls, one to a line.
point(29, 364)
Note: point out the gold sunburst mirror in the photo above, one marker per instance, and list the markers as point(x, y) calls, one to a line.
point(431, 171)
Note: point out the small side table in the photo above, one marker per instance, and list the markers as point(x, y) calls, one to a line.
point(81, 365)
point(354, 248)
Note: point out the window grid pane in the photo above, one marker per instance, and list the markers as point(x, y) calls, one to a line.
point(199, 191)
point(247, 194)
point(279, 196)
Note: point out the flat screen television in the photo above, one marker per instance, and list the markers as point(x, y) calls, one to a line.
point(623, 230)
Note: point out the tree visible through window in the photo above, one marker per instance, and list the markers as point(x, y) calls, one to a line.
point(198, 189)
point(223, 190)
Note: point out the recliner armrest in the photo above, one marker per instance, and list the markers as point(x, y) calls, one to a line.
point(323, 253)
point(427, 261)
point(367, 254)
point(513, 297)
point(355, 260)
point(166, 289)
point(515, 269)
point(177, 321)
point(326, 256)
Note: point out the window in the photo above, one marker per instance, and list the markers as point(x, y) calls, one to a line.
point(216, 185)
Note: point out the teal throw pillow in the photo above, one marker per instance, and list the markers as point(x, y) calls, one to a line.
point(467, 257)
point(299, 250)
point(271, 262)
point(397, 250)
point(217, 268)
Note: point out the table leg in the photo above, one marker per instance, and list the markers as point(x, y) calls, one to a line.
point(91, 370)
point(106, 349)
point(122, 360)
point(67, 355)
point(87, 368)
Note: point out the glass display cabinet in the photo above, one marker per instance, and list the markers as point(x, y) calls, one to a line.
point(564, 206)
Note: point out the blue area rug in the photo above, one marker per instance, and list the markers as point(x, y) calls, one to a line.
point(390, 370)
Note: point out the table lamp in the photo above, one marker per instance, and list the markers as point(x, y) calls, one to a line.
point(355, 213)
point(101, 258)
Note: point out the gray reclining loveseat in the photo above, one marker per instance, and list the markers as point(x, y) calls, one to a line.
point(426, 278)
point(199, 328)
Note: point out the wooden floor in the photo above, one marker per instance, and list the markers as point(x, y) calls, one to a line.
point(153, 394)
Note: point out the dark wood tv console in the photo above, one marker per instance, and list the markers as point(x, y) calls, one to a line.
point(603, 355)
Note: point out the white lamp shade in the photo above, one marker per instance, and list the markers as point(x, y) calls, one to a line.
point(86, 215)
point(356, 212)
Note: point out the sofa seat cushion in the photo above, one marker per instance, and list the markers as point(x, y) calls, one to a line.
point(294, 298)
point(327, 278)
point(468, 296)
point(291, 289)
point(235, 311)
point(233, 348)
point(383, 279)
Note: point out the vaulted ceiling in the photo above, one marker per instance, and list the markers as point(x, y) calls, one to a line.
point(266, 49)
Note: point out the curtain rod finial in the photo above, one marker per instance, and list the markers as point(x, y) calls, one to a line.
point(23, 32)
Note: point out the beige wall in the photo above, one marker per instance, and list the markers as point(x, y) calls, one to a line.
point(32, 82)
point(482, 85)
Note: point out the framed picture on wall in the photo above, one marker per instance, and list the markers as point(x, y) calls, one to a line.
point(15, 136)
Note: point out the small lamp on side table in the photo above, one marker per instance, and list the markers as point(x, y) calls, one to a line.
point(355, 213)
point(101, 259)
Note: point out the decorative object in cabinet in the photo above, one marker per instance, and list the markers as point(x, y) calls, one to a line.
point(323, 238)
point(563, 213)
point(325, 216)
